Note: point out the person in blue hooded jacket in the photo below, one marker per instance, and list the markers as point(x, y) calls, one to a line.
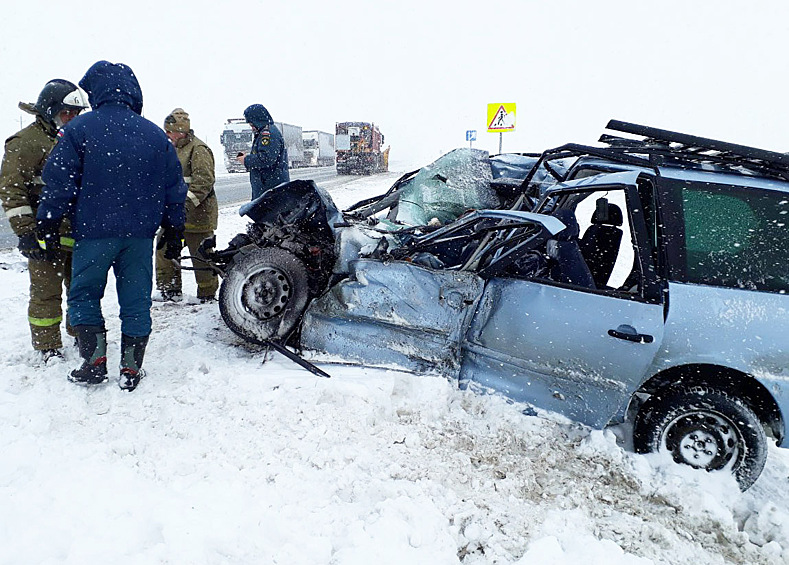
point(267, 162)
point(118, 178)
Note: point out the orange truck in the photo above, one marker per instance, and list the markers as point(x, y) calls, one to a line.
point(359, 148)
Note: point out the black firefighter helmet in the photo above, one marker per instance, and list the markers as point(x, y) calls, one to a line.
point(56, 96)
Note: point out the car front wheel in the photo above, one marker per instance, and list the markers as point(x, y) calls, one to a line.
point(263, 294)
point(705, 428)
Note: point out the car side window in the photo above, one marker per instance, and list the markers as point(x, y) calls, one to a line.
point(735, 237)
point(606, 240)
point(605, 255)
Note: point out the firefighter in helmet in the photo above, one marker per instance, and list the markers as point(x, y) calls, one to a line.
point(26, 153)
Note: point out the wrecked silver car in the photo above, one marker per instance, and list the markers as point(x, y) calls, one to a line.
point(640, 281)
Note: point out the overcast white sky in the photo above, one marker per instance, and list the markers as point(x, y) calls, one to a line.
point(424, 70)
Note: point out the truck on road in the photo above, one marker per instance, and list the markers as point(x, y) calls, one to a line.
point(237, 137)
point(293, 143)
point(318, 148)
point(360, 149)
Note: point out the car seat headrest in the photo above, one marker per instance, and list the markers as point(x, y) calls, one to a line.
point(606, 213)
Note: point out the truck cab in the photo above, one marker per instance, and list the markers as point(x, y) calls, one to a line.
point(360, 149)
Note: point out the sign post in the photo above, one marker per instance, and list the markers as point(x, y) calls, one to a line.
point(471, 135)
point(501, 118)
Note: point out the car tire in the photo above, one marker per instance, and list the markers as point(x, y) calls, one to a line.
point(263, 294)
point(705, 428)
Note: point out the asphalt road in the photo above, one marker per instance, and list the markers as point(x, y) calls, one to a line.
point(230, 189)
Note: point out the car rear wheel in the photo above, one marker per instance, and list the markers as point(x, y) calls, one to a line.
point(263, 294)
point(705, 428)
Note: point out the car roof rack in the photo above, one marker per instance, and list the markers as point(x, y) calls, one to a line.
point(658, 147)
point(666, 147)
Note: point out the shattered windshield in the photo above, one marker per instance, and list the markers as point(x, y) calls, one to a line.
point(442, 191)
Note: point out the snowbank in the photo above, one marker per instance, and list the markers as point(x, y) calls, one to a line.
point(220, 457)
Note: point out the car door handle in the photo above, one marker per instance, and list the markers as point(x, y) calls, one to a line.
point(629, 333)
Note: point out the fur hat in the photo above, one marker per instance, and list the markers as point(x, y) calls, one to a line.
point(178, 121)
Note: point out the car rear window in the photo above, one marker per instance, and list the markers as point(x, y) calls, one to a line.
point(734, 237)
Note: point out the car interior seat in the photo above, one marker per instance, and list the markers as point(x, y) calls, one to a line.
point(567, 262)
point(600, 243)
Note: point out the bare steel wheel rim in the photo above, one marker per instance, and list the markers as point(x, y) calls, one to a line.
point(703, 439)
point(266, 292)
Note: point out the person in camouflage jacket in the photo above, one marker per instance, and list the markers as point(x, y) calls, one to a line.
point(26, 152)
point(197, 162)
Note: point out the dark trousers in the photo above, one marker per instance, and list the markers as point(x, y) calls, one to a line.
point(131, 260)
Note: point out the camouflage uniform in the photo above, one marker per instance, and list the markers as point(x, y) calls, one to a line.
point(26, 153)
point(202, 210)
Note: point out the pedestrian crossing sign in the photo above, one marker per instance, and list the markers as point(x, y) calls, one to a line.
point(501, 117)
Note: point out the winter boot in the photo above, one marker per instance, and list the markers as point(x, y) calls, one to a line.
point(48, 355)
point(172, 295)
point(132, 354)
point(92, 342)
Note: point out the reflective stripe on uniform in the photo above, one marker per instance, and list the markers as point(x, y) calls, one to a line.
point(19, 211)
point(188, 180)
point(193, 197)
point(38, 180)
point(64, 242)
point(44, 322)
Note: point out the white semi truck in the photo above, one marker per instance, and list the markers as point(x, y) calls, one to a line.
point(318, 148)
point(237, 137)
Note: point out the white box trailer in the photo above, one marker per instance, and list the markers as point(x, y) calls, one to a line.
point(293, 143)
point(318, 148)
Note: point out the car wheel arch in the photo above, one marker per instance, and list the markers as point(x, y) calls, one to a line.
point(748, 389)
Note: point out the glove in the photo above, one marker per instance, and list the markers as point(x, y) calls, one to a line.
point(48, 232)
point(173, 242)
point(29, 247)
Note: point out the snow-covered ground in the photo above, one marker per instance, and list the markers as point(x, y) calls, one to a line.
point(219, 457)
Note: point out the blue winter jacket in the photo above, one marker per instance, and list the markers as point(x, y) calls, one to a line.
point(114, 171)
point(267, 163)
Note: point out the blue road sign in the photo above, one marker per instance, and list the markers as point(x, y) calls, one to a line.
point(471, 135)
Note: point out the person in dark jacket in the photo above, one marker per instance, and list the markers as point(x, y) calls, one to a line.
point(118, 177)
point(267, 162)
